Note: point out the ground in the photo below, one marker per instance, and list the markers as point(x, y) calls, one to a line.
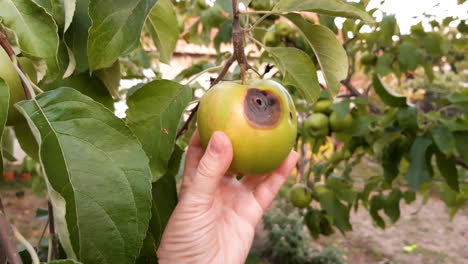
point(439, 240)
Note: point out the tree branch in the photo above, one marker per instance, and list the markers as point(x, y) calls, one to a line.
point(461, 163)
point(11, 53)
point(53, 237)
point(238, 37)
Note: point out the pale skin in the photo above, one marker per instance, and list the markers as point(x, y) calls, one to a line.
point(215, 219)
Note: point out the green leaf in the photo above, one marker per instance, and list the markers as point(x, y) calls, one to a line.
point(408, 56)
point(388, 27)
point(326, 7)
point(110, 77)
point(298, 70)
point(4, 102)
point(409, 197)
point(391, 158)
point(97, 174)
point(7, 144)
point(164, 202)
point(35, 29)
point(462, 144)
point(26, 140)
point(444, 140)
point(420, 170)
point(164, 28)
point(377, 203)
point(408, 119)
point(76, 36)
point(384, 64)
point(153, 114)
point(87, 85)
point(115, 30)
point(388, 96)
point(328, 50)
point(342, 189)
point(312, 221)
point(392, 205)
point(165, 197)
point(429, 70)
point(330, 203)
point(448, 170)
point(329, 22)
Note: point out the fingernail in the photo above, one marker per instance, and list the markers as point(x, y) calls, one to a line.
point(215, 145)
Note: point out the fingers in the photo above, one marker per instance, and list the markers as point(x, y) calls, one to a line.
point(267, 190)
point(211, 168)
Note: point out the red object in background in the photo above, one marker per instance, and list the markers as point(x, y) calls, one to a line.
point(26, 176)
point(9, 176)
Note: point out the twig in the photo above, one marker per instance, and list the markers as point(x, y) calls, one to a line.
point(42, 233)
point(53, 249)
point(27, 245)
point(461, 163)
point(11, 53)
point(7, 243)
point(238, 35)
point(354, 92)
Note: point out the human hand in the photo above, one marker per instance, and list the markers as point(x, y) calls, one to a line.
point(215, 219)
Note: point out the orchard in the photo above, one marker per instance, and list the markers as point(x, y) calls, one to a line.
point(337, 81)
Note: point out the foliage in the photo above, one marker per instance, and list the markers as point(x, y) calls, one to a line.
point(113, 179)
point(287, 241)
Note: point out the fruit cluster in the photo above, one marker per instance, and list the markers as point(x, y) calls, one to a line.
point(324, 118)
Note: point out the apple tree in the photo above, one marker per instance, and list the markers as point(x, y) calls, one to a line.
point(112, 182)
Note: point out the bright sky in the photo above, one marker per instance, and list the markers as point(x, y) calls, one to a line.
point(410, 12)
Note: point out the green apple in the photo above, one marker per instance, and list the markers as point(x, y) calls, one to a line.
point(283, 29)
point(10, 76)
point(300, 195)
point(323, 106)
point(317, 125)
point(340, 124)
point(259, 117)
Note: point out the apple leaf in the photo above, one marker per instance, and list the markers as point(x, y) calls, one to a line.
point(37, 32)
point(88, 85)
point(97, 176)
point(326, 7)
point(163, 25)
point(298, 70)
point(420, 170)
point(328, 50)
point(76, 36)
point(448, 170)
point(388, 96)
point(115, 30)
point(153, 114)
point(26, 140)
point(110, 77)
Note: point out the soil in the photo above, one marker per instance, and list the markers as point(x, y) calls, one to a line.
point(438, 239)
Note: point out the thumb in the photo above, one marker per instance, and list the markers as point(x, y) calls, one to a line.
point(211, 169)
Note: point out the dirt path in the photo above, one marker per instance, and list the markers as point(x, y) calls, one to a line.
point(21, 211)
point(438, 239)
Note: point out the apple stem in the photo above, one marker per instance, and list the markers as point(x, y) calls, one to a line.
point(11, 53)
point(238, 37)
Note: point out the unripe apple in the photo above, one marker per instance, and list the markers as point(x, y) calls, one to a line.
point(283, 29)
point(269, 39)
point(340, 124)
point(260, 119)
point(300, 195)
point(10, 76)
point(317, 125)
point(323, 106)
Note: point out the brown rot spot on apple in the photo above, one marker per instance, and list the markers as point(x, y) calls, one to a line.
point(262, 108)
